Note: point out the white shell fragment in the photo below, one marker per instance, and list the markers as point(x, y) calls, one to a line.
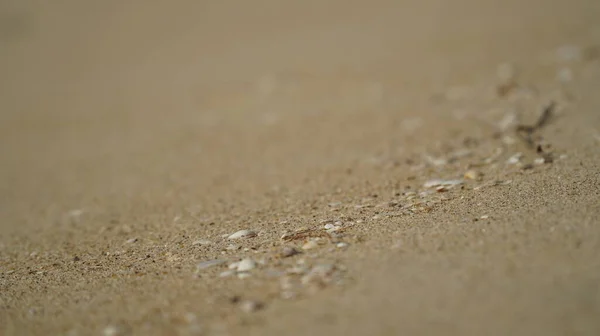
point(439, 182)
point(242, 234)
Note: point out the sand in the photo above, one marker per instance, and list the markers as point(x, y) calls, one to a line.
point(136, 138)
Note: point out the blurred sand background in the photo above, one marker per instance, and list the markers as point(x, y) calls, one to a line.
point(132, 130)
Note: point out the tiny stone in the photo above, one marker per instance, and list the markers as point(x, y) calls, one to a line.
point(234, 265)
point(342, 245)
point(539, 161)
point(311, 244)
point(242, 234)
point(484, 217)
point(246, 265)
point(328, 226)
point(209, 263)
point(131, 241)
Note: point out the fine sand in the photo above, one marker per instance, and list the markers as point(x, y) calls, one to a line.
point(403, 167)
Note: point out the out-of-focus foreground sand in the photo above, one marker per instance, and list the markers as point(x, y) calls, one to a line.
point(132, 130)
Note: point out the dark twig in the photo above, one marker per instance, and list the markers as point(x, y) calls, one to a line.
point(526, 132)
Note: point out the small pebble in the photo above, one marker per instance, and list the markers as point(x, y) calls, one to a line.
point(484, 217)
point(342, 245)
point(441, 189)
point(242, 234)
point(329, 226)
point(131, 241)
point(246, 265)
